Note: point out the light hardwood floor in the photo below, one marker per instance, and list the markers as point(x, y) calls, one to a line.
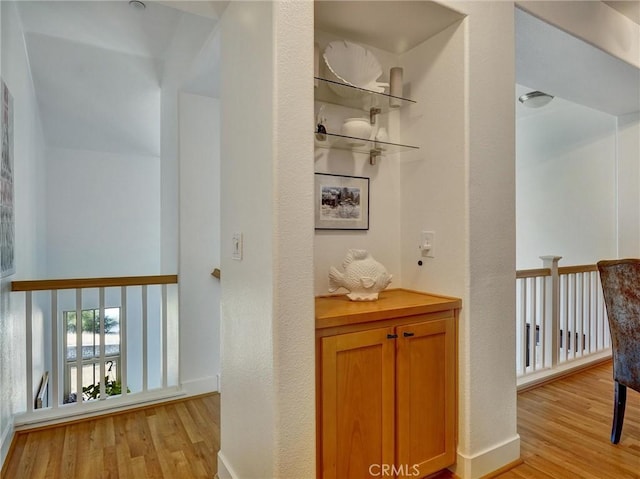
point(177, 440)
point(564, 428)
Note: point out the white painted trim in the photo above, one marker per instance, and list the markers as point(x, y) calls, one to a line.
point(489, 460)
point(72, 412)
point(193, 387)
point(5, 442)
point(563, 369)
point(224, 470)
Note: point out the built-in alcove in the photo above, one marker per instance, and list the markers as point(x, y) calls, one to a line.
point(418, 184)
point(420, 187)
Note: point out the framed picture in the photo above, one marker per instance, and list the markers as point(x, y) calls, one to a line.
point(341, 202)
point(7, 212)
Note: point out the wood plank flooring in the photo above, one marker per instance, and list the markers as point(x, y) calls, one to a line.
point(177, 440)
point(564, 428)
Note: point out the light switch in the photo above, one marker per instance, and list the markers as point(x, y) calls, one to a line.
point(427, 244)
point(236, 245)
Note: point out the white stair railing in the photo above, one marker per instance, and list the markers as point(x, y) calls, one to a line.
point(561, 322)
point(67, 319)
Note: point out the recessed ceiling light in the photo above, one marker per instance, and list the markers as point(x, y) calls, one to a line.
point(137, 4)
point(535, 99)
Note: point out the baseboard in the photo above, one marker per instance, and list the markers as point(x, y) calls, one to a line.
point(6, 442)
point(563, 370)
point(224, 470)
point(194, 387)
point(486, 462)
point(503, 469)
point(65, 414)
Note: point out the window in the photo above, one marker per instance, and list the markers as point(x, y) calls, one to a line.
point(91, 360)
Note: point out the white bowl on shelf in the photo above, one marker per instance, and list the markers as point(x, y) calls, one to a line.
point(351, 64)
point(358, 129)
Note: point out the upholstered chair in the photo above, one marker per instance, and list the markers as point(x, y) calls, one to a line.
point(621, 287)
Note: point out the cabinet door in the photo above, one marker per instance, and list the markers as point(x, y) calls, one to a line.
point(357, 403)
point(426, 397)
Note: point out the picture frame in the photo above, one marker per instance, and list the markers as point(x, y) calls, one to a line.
point(341, 202)
point(7, 209)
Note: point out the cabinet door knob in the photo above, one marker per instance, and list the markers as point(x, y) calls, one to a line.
point(392, 336)
point(407, 335)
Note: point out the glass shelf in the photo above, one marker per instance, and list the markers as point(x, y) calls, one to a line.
point(330, 91)
point(360, 145)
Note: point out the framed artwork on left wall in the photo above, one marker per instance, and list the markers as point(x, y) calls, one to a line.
point(341, 202)
point(7, 210)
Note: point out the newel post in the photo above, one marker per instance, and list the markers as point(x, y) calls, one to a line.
point(552, 311)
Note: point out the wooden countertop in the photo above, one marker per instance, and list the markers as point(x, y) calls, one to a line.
point(392, 303)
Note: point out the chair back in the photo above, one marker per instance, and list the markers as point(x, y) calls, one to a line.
point(621, 289)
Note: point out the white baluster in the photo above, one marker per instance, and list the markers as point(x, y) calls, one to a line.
point(29, 352)
point(145, 359)
point(123, 339)
point(55, 359)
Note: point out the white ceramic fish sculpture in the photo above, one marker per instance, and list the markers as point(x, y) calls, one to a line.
point(363, 276)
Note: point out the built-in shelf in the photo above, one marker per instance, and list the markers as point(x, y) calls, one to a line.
point(355, 97)
point(373, 148)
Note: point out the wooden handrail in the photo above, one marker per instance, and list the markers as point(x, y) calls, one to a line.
point(533, 273)
point(584, 268)
point(78, 283)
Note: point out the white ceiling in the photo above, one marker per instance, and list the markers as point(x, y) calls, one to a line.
point(95, 99)
point(550, 60)
point(97, 68)
point(629, 8)
point(204, 76)
point(394, 26)
point(111, 25)
point(97, 65)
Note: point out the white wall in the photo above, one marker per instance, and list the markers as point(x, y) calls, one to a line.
point(190, 34)
point(247, 415)
point(294, 319)
point(433, 178)
point(382, 239)
point(190, 205)
point(566, 185)
point(267, 418)
point(629, 186)
point(29, 173)
point(103, 214)
point(488, 437)
point(199, 241)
